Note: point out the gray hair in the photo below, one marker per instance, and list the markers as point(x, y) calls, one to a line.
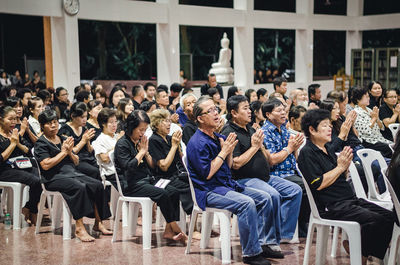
point(197, 109)
point(182, 100)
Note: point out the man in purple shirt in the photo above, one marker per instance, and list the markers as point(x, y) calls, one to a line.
point(209, 160)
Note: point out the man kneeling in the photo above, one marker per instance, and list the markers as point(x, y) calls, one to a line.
point(333, 195)
point(209, 160)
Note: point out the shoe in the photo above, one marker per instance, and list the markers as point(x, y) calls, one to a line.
point(256, 260)
point(268, 252)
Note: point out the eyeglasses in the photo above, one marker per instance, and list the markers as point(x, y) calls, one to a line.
point(392, 97)
point(167, 121)
point(211, 110)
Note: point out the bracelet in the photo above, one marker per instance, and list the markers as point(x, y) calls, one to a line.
point(223, 159)
point(285, 149)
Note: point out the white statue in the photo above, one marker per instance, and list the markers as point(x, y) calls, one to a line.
point(222, 69)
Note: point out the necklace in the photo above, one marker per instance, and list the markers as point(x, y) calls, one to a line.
point(52, 142)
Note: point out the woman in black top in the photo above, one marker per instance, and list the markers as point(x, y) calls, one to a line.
point(375, 94)
point(167, 154)
point(85, 196)
point(389, 112)
point(61, 103)
point(82, 137)
point(12, 145)
point(125, 107)
point(94, 107)
point(133, 161)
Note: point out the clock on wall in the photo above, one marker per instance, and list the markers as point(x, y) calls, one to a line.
point(71, 7)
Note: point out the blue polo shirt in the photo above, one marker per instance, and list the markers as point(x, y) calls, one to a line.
point(201, 150)
point(275, 141)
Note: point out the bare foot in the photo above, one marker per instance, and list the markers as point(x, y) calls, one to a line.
point(83, 235)
point(25, 211)
point(33, 218)
point(101, 228)
point(346, 247)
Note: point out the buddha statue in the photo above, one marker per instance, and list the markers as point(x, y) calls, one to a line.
point(222, 69)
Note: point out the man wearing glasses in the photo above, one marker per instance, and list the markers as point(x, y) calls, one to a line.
point(209, 157)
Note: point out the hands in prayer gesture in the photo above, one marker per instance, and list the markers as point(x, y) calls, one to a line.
point(295, 142)
point(68, 145)
point(345, 157)
point(257, 139)
point(176, 138)
point(229, 144)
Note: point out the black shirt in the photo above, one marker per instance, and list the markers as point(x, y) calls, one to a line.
point(316, 102)
point(204, 88)
point(314, 163)
point(159, 149)
point(126, 164)
point(4, 143)
point(257, 166)
point(136, 104)
point(189, 129)
point(386, 112)
point(84, 154)
point(373, 102)
point(337, 144)
point(97, 131)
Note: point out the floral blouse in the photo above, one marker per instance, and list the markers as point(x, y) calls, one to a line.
point(366, 133)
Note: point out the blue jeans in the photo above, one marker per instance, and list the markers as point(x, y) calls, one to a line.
point(286, 199)
point(252, 207)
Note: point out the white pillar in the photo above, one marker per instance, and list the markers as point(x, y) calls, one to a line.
point(168, 58)
point(65, 41)
point(243, 50)
point(353, 37)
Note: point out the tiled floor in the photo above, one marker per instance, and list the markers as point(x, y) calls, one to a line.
point(24, 247)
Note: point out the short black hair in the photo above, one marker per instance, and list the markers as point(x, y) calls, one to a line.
point(386, 91)
point(115, 89)
point(278, 81)
point(163, 87)
point(104, 115)
point(268, 106)
point(371, 84)
point(327, 104)
point(82, 95)
point(296, 111)
point(135, 90)
point(146, 105)
point(147, 85)
point(44, 94)
point(338, 96)
point(92, 104)
point(13, 101)
point(255, 106)
point(4, 110)
point(261, 92)
point(212, 91)
point(357, 94)
point(22, 91)
point(47, 116)
point(59, 89)
point(176, 87)
point(313, 118)
point(77, 110)
point(186, 91)
point(233, 104)
point(134, 119)
point(232, 91)
point(312, 89)
point(248, 93)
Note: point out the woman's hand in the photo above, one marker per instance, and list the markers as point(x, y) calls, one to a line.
point(88, 135)
point(14, 136)
point(68, 145)
point(143, 144)
point(175, 118)
point(24, 126)
point(176, 138)
point(375, 113)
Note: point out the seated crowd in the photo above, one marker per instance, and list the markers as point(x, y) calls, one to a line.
point(242, 152)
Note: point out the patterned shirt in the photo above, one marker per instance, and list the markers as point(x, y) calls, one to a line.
point(366, 133)
point(275, 141)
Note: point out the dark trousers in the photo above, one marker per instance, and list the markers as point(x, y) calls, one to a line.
point(91, 170)
point(305, 210)
point(81, 194)
point(380, 147)
point(27, 177)
point(185, 196)
point(167, 199)
point(376, 223)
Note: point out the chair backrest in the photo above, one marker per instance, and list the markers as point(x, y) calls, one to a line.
point(357, 184)
point(393, 195)
point(394, 127)
point(313, 206)
point(38, 168)
point(368, 156)
point(111, 154)
point(185, 163)
point(100, 164)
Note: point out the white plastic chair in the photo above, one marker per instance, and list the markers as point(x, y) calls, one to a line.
point(394, 127)
point(58, 205)
point(14, 202)
point(352, 229)
point(224, 217)
point(368, 156)
point(146, 204)
point(394, 243)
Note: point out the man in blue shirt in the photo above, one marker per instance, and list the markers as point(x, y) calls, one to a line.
point(209, 158)
point(283, 150)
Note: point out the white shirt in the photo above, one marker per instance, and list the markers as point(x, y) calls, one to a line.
point(34, 123)
point(102, 145)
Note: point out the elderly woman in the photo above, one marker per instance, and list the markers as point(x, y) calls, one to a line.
point(12, 145)
point(368, 123)
point(84, 195)
point(167, 155)
point(133, 161)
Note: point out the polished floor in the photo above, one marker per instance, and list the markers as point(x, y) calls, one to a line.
point(24, 247)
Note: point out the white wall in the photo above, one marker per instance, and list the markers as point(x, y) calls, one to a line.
point(168, 15)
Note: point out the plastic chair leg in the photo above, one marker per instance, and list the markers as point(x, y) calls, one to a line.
point(225, 228)
point(334, 241)
point(355, 245)
point(133, 216)
point(182, 219)
point(116, 220)
point(113, 201)
point(394, 245)
point(66, 222)
point(57, 211)
point(206, 225)
point(147, 208)
point(159, 218)
point(310, 236)
point(17, 207)
point(40, 212)
point(125, 209)
point(192, 225)
point(322, 238)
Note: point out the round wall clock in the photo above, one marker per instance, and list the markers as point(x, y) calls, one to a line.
point(71, 7)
